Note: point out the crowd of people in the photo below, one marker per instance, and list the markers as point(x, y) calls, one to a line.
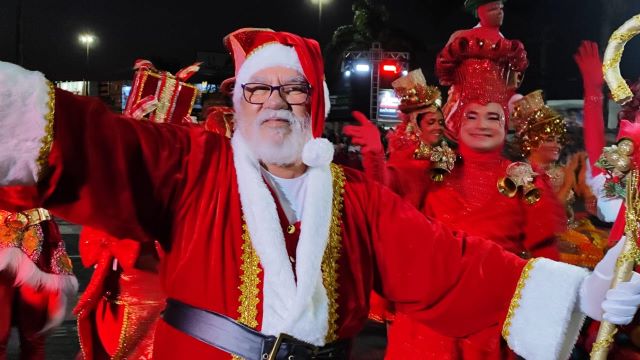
point(477, 228)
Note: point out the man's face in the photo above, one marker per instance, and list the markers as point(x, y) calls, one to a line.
point(491, 14)
point(275, 129)
point(431, 125)
point(482, 127)
point(548, 151)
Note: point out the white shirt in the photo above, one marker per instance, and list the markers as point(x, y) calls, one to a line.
point(291, 193)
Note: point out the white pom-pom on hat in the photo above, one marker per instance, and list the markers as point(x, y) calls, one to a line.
point(317, 152)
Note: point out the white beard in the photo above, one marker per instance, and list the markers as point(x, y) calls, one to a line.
point(286, 151)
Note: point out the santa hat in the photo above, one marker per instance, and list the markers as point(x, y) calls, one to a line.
point(255, 49)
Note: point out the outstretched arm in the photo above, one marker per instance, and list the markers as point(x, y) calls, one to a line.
point(74, 156)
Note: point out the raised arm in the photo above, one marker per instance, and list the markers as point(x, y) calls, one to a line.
point(588, 59)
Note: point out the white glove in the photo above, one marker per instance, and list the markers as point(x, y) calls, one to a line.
point(622, 301)
point(595, 286)
point(617, 305)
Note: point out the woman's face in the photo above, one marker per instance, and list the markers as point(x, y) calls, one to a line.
point(547, 152)
point(431, 126)
point(482, 127)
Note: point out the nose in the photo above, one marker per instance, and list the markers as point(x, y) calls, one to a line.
point(483, 123)
point(275, 101)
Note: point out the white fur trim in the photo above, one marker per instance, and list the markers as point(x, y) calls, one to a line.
point(327, 99)
point(546, 324)
point(23, 105)
point(267, 56)
point(298, 309)
point(17, 263)
point(317, 152)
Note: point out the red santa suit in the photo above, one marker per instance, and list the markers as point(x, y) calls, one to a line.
point(205, 199)
point(119, 310)
point(36, 279)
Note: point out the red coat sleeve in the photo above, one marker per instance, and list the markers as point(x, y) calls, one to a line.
point(431, 272)
point(118, 174)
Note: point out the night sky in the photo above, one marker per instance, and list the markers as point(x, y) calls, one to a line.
point(174, 32)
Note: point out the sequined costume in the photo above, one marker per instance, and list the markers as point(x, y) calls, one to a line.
point(480, 70)
point(119, 310)
point(540, 134)
point(36, 279)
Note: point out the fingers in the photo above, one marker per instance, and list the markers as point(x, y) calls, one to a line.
point(360, 118)
point(621, 302)
point(352, 130)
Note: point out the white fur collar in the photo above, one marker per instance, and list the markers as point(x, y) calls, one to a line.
point(300, 310)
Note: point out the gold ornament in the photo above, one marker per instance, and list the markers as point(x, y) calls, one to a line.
point(620, 91)
point(625, 146)
point(520, 175)
point(414, 93)
point(536, 122)
point(443, 159)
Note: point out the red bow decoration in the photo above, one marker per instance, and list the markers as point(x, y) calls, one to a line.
point(100, 249)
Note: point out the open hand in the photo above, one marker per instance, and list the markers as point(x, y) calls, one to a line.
point(366, 134)
point(590, 64)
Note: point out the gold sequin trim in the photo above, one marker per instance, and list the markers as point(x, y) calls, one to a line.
point(332, 252)
point(122, 341)
point(249, 281)
point(47, 140)
point(515, 301)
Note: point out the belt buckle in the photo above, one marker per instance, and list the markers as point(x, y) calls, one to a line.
point(17, 221)
point(276, 346)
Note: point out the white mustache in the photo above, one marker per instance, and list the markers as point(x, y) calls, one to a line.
point(287, 115)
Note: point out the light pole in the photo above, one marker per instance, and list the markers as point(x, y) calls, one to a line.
point(320, 3)
point(87, 39)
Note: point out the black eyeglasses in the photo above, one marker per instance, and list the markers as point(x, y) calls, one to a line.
point(293, 94)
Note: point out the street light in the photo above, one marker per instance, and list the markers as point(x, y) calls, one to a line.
point(87, 39)
point(320, 3)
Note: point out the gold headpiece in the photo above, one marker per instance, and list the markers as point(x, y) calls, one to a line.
point(536, 122)
point(414, 93)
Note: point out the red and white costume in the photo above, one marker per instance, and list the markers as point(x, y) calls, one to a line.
point(205, 200)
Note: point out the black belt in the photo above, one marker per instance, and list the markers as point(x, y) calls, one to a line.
point(228, 335)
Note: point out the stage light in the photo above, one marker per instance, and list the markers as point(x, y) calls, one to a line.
point(362, 67)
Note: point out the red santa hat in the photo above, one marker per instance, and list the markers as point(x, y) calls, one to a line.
point(255, 49)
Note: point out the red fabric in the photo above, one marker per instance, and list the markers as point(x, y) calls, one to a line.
point(25, 308)
point(135, 285)
point(178, 185)
point(469, 200)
